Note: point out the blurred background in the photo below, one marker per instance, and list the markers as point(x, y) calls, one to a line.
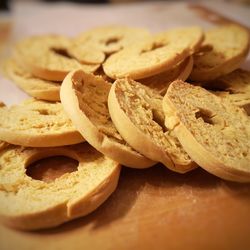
point(5, 4)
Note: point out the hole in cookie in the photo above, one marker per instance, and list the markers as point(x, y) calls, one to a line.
point(112, 41)
point(205, 115)
point(61, 52)
point(43, 112)
point(51, 168)
point(158, 117)
point(155, 46)
point(204, 49)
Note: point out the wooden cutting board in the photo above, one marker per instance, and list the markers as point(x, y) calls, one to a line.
point(154, 209)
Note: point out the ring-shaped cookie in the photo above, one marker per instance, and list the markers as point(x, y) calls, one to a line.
point(136, 111)
point(85, 99)
point(215, 133)
point(47, 57)
point(110, 39)
point(229, 48)
point(35, 123)
point(154, 55)
point(35, 87)
point(31, 204)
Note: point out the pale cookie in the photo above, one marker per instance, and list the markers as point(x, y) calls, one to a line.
point(229, 48)
point(154, 55)
point(160, 82)
point(110, 39)
point(138, 116)
point(86, 53)
point(84, 97)
point(46, 57)
point(36, 123)
point(191, 37)
point(36, 87)
point(215, 133)
point(234, 87)
point(31, 204)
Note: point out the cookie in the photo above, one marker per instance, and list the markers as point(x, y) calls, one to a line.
point(110, 39)
point(35, 123)
point(229, 48)
point(86, 53)
point(46, 57)
point(215, 133)
point(160, 82)
point(35, 87)
point(235, 87)
point(154, 55)
point(84, 98)
point(138, 116)
point(31, 204)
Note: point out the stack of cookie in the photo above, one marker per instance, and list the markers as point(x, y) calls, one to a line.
point(116, 95)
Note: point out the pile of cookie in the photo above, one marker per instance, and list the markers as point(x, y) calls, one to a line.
point(116, 96)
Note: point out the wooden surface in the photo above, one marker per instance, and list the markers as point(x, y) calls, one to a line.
point(154, 209)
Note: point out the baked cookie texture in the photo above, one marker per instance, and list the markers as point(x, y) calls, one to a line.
point(235, 87)
point(30, 204)
point(161, 81)
point(213, 131)
point(229, 47)
point(111, 39)
point(154, 55)
point(84, 98)
point(35, 123)
point(35, 87)
point(47, 57)
point(138, 116)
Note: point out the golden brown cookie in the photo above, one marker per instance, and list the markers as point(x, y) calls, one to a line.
point(215, 133)
point(138, 116)
point(35, 87)
point(110, 39)
point(154, 55)
point(234, 86)
point(47, 57)
point(31, 204)
point(229, 48)
point(36, 123)
point(84, 98)
point(160, 82)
